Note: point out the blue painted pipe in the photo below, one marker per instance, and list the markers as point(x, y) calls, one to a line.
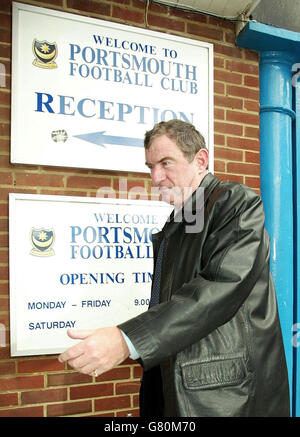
point(276, 161)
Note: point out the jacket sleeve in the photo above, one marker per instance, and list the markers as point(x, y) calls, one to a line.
point(235, 252)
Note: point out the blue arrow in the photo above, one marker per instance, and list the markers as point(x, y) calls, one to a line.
point(100, 139)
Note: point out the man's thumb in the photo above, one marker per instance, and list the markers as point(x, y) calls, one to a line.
point(79, 333)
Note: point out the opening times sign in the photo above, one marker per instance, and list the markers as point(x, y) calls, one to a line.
point(91, 269)
point(93, 88)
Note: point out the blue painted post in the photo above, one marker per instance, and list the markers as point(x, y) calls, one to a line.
point(277, 181)
point(296, 341)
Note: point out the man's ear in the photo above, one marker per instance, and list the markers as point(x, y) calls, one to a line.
point(202, 160)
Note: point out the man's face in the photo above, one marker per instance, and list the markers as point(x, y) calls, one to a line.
point(171, 172)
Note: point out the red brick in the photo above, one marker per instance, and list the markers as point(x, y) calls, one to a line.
point(219, 140)
point(219, 62)
point(45, 365)
point(164, 22)
point(4, 145)
point(242, 117)
point(244, 169)
point(4, 225)
point(4, 129)
point(5, 35)
point(253, 182)
point(69, 408)
point(251, 105)
point(219, 88)
point(219, 166)
point(5, 5)
point(5, 163)
point(39, 397)
point(4, 273)
point(204, 31)
point(8, 399)
point(137, 371)
point(136, 400)
point(5, 51)
point(68, 379)
point(89, 6)
point(33, 179)
point(242, 67)
point(219, 114)
point(4, 114)
point(91, 391)
point(227, 128)
point(229, 37)
point(243, 143)
point(126, 184)
point(127, 387)
point(241, 91)
point(251, 132)
point(21, 382)
point(5, 20)
point(228, 77)
point(92, 183)
point(128, 15)
point(3, 290)
point(159, 9)
point(112, 403)
point(53, 2)
point(251, 81)
point(252, 157)
point(4, 240)
point(6, 178)
point(228, 154)
point(187, 15)
point(23, 412)
point(230, 178)
point(228, 102)
point(228, 50)
point(4, 303)
point(251, 55)
point(7, 367)
point(221, 23)
point(5, 98)
point(116, 373)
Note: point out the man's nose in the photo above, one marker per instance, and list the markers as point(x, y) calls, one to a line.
point(157, 175)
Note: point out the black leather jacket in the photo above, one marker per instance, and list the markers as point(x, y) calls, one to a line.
point(213, 346)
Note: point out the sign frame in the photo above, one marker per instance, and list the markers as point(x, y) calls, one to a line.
point(45, 151)
point(25, 343)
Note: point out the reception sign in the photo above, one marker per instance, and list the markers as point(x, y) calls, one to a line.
point(77, 263)
point(85, 91)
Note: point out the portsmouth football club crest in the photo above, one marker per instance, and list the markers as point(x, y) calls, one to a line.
point(42, 240)
point(45, 53)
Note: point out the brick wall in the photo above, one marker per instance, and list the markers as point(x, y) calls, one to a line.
point(41, 386)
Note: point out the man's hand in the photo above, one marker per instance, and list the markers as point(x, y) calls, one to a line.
point(99, 351)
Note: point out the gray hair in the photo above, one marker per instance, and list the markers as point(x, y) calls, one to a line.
point(185, 135)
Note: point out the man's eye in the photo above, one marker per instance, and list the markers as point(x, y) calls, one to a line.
point(166, 163)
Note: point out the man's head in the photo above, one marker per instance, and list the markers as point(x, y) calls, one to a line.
point(177, 157)
point(185, 135)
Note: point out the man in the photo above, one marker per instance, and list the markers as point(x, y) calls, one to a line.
point(212, 344)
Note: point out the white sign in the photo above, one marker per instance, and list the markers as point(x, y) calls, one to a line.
point(77, 263)
point(85, 91)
